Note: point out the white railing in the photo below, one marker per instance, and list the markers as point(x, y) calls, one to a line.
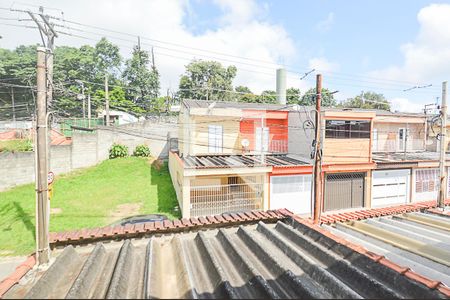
point(278, 146)
point(218, 199)
point(398, 146)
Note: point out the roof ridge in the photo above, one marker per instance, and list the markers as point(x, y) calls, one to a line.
point(89, 235)
point(377, 212)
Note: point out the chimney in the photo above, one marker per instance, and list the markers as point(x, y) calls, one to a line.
point(281, 86)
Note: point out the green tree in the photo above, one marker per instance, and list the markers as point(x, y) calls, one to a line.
point(207, 80)
point(309, 97)
point(368, 100)
point(143, 83)
point(107, 57)
point(293, 96)
point(268, 96)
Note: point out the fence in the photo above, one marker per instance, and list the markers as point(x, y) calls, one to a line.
point(393, 145)
point(217, 199)
point(66, 125)
point(278, 146)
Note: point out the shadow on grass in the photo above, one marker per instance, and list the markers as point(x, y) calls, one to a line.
point(167, 199)
point(12, 213)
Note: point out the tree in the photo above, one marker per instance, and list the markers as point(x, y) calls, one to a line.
point(293, 96)
point(207, 80)
point(368, 100)
point(268, 96)
point(107, 56)
point(143, 83)
point(309, 97)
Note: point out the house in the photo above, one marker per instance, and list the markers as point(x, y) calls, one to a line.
point(270, 254)
point(386, 153)
point(118, 117)
point(233, 156)
point(243, 156)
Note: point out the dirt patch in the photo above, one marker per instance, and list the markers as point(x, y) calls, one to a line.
point(55, 211)
point(124, 210)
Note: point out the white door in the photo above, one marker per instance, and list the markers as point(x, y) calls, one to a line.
point(292, 192)
point(390, 187)
point(262, 139)
point(375, 140)
point(401, 139)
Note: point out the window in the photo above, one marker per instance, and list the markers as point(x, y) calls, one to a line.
point(375, 140)
point(337, 129)
point(427, 180)
point(215, 138)
point(262, 139)
point(402, 135)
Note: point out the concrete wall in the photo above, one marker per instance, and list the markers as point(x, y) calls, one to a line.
point(88, 149)
point(299, 139)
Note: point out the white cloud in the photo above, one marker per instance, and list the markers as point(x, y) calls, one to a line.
point(321, 64)
point(405, 105)
point(325, 24)
point(426, 58)
point(243, 31)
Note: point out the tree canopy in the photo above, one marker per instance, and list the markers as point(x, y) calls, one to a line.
point(309, 98)
point(368, 100)
point(207, 80)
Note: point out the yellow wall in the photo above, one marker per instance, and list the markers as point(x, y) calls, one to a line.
point(199, 134)
point(176, 174)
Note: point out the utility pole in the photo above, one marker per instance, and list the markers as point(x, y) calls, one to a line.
point(318, 154)
point(443, 146)
point(42, 161)
point(89, 110)
point(47, 30)
point(13, 106)
point(106, 99)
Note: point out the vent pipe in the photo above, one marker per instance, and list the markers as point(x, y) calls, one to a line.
point(281, 86)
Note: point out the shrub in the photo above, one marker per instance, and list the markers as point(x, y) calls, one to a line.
point(118, 150)
point(142, 151)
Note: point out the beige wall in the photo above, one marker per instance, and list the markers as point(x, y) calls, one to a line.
point(176, 174)
point(346, 150)
point(199, 134)
point(388, 136)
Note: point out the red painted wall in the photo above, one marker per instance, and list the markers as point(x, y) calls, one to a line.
point(276, 121)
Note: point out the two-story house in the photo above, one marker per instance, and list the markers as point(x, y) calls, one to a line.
point(227, 152)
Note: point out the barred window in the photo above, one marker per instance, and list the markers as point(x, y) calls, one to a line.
point(340, 129)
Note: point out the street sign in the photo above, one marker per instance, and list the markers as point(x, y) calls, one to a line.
point(50, 177)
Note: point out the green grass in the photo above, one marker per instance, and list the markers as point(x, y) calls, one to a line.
point(86, 198)
point(16, 145)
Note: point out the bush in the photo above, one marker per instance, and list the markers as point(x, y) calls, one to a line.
point(142, 151)
point(118, 150)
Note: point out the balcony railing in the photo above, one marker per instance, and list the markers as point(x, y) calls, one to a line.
point(398, 146)
point(278, 146)
point(217, 199)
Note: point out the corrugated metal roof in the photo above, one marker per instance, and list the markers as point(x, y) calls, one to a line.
point(287, 259)
point(241, 105)
point(397, 157)
point(236, 161)
point(419, 241)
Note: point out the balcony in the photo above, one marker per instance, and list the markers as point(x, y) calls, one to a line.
point(392, 145)
point(226, 198)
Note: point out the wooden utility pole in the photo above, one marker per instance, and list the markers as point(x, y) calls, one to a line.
point(42, 161)
point(318, 155)
point(89, 110)
point(443, 146)
point(106, 100)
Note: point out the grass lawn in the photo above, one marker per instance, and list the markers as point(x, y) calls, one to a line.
point(86, 198)
point(18, 145)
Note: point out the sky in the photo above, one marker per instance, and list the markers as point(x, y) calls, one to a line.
point(381, 46)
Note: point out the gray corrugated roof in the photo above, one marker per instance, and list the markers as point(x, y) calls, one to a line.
point(391, 157)
point(233, 161)
point(419, 241)
point(223, 104)
point(267, 260)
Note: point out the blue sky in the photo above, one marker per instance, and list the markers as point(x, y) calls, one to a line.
point(382, 46)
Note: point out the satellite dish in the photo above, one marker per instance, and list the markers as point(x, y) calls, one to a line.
point(245, 143)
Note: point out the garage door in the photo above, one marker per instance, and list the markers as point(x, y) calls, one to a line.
point(344, 190)
point(390, 187)
point(292, 192)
